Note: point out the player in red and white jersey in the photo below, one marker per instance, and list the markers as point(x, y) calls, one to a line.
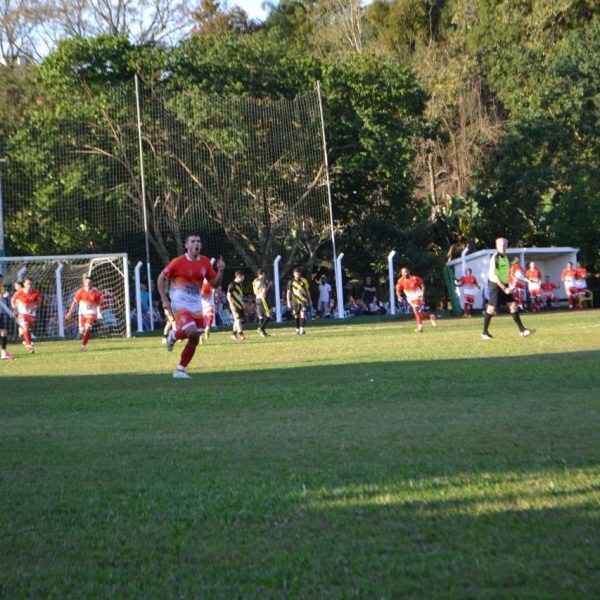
point(89, 300)
point(469, 284)
point(413, 288)
point(534, 282)
point(580, 282)
point(517, 282)
point(25, 303)
point(207, 292)
point(547, 290)
point(568, 279)
point(183, 277)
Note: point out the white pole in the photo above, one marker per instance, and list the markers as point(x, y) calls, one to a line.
point(392, 282)
point(326, 162)
point(60, 312)
point(463, 255)
point(138, 297)
point(127, 305)
point(277, 294)
point(339, 285)
point(3, 162)
point(143, 194)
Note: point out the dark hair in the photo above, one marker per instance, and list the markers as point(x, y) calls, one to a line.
point(238, 273)
point(192, 234)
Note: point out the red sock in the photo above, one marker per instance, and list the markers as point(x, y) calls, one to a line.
point(27, 337)
point(180, 334)
point(418, 317)
point(187, 355)
point(86, 337)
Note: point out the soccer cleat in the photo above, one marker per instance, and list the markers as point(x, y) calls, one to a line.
point(234, 337)
point(297, 332)
point(302, 332)
point(432, 320)
point(486, 336)
point(205, 335)
point(164, 341)
point(527, 332)
point(170, 341)
point(31, 349)
point(7, 356)
point(242, 337)
point(179, 374)
point(83, 349)
point(261, 332)
point(419, 330)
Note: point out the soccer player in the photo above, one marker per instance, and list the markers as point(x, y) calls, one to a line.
point(499, 290)
point(25, 303)
point(534, 283)
point(183, 277)
point(469, 284)
point(517, 282)
point(235, 297)
point(5, 316)
point(413, 288)
point(260, 286)
point(89, 300)
point(298, 298)
point(208, 308)
point(547, 290)
point(568, 279)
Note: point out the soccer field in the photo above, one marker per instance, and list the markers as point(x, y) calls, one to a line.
point(358, 461)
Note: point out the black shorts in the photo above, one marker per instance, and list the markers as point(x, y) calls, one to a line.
point(238, 314)
point(298, 308)
point(4, 320)
point(499, 297)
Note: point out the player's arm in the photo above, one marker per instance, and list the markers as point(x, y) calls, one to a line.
point(71, 308)
point(219, 277)
point(162, 284)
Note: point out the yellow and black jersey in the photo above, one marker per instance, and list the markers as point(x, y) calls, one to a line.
point(235, 295)
point(259, 287)
point(298, 289)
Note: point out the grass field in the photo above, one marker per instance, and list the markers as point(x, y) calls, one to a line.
point(359, 461)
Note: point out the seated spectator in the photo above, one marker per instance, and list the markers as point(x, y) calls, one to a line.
point(362, 308)
point(376, 307)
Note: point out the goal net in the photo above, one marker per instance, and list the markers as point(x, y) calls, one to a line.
point(57, 278)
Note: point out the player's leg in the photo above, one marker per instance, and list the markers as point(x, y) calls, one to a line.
point(490, 309)
point(87, 325)
point(4, 355)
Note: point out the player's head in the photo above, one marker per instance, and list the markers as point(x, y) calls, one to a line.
point(514, 260)
point(88, 282)
point(240, 275)
point(18, 285)
point(27, 283)
point(405, 272)
point(260, 273)
point(501, 245)
point(578, 265)
point(297, 273)
point(547, 278)
point(569, 265)
point(468, 272)
point(193, 244)
point(323, 279)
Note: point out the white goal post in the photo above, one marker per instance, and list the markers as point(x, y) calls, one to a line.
point(58, 278)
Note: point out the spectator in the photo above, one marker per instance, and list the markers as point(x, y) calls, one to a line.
point(369, 291)
point(376, 307)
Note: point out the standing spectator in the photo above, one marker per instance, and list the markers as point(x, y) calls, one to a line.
point(547, 291)
point(25, 304)
point(568, 279)
point(534, 282)
point(369, 291)
point(260, 287)
point(469, 284)
point(235, 296)
point(499, 291)
point(324, 297)
point(298, 299)
point(580, 283)
point(413, 288)
point(183, 277)
point(89, 300)
point(5, 315)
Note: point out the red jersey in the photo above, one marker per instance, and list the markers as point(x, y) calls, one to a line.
point(533, 274)
point(186, 278)
point(26, 303)
point(548, 287)
point(516, 277)
point(411, 286)
point(468, 280)
point(89, 301)
point(568, 274)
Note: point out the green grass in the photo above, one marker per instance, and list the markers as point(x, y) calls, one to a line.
point(359, 461)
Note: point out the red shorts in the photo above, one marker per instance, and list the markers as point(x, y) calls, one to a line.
point(469, 299)
point(86, 321)
point(185, 318)
point(26, 322)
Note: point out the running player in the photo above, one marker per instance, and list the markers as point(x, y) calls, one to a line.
point(235, 297)
point(25, 303)
point(89, 300)
point(469, 284)
point(413, 288)
point(183, 277)
point(298, 298)
point(260, 286)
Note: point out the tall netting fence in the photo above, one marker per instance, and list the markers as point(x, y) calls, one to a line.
point(248, 174)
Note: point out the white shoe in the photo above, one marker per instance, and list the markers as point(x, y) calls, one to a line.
point(164, 341)
point(179, 374)
point(170, 341)
point(486, 336)
point(432, 320)
point(297, 332)
point(527, 332)
point(83, 349)
point(302, 332)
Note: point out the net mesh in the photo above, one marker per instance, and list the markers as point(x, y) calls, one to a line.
point(108, 277)
point(248, 174)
